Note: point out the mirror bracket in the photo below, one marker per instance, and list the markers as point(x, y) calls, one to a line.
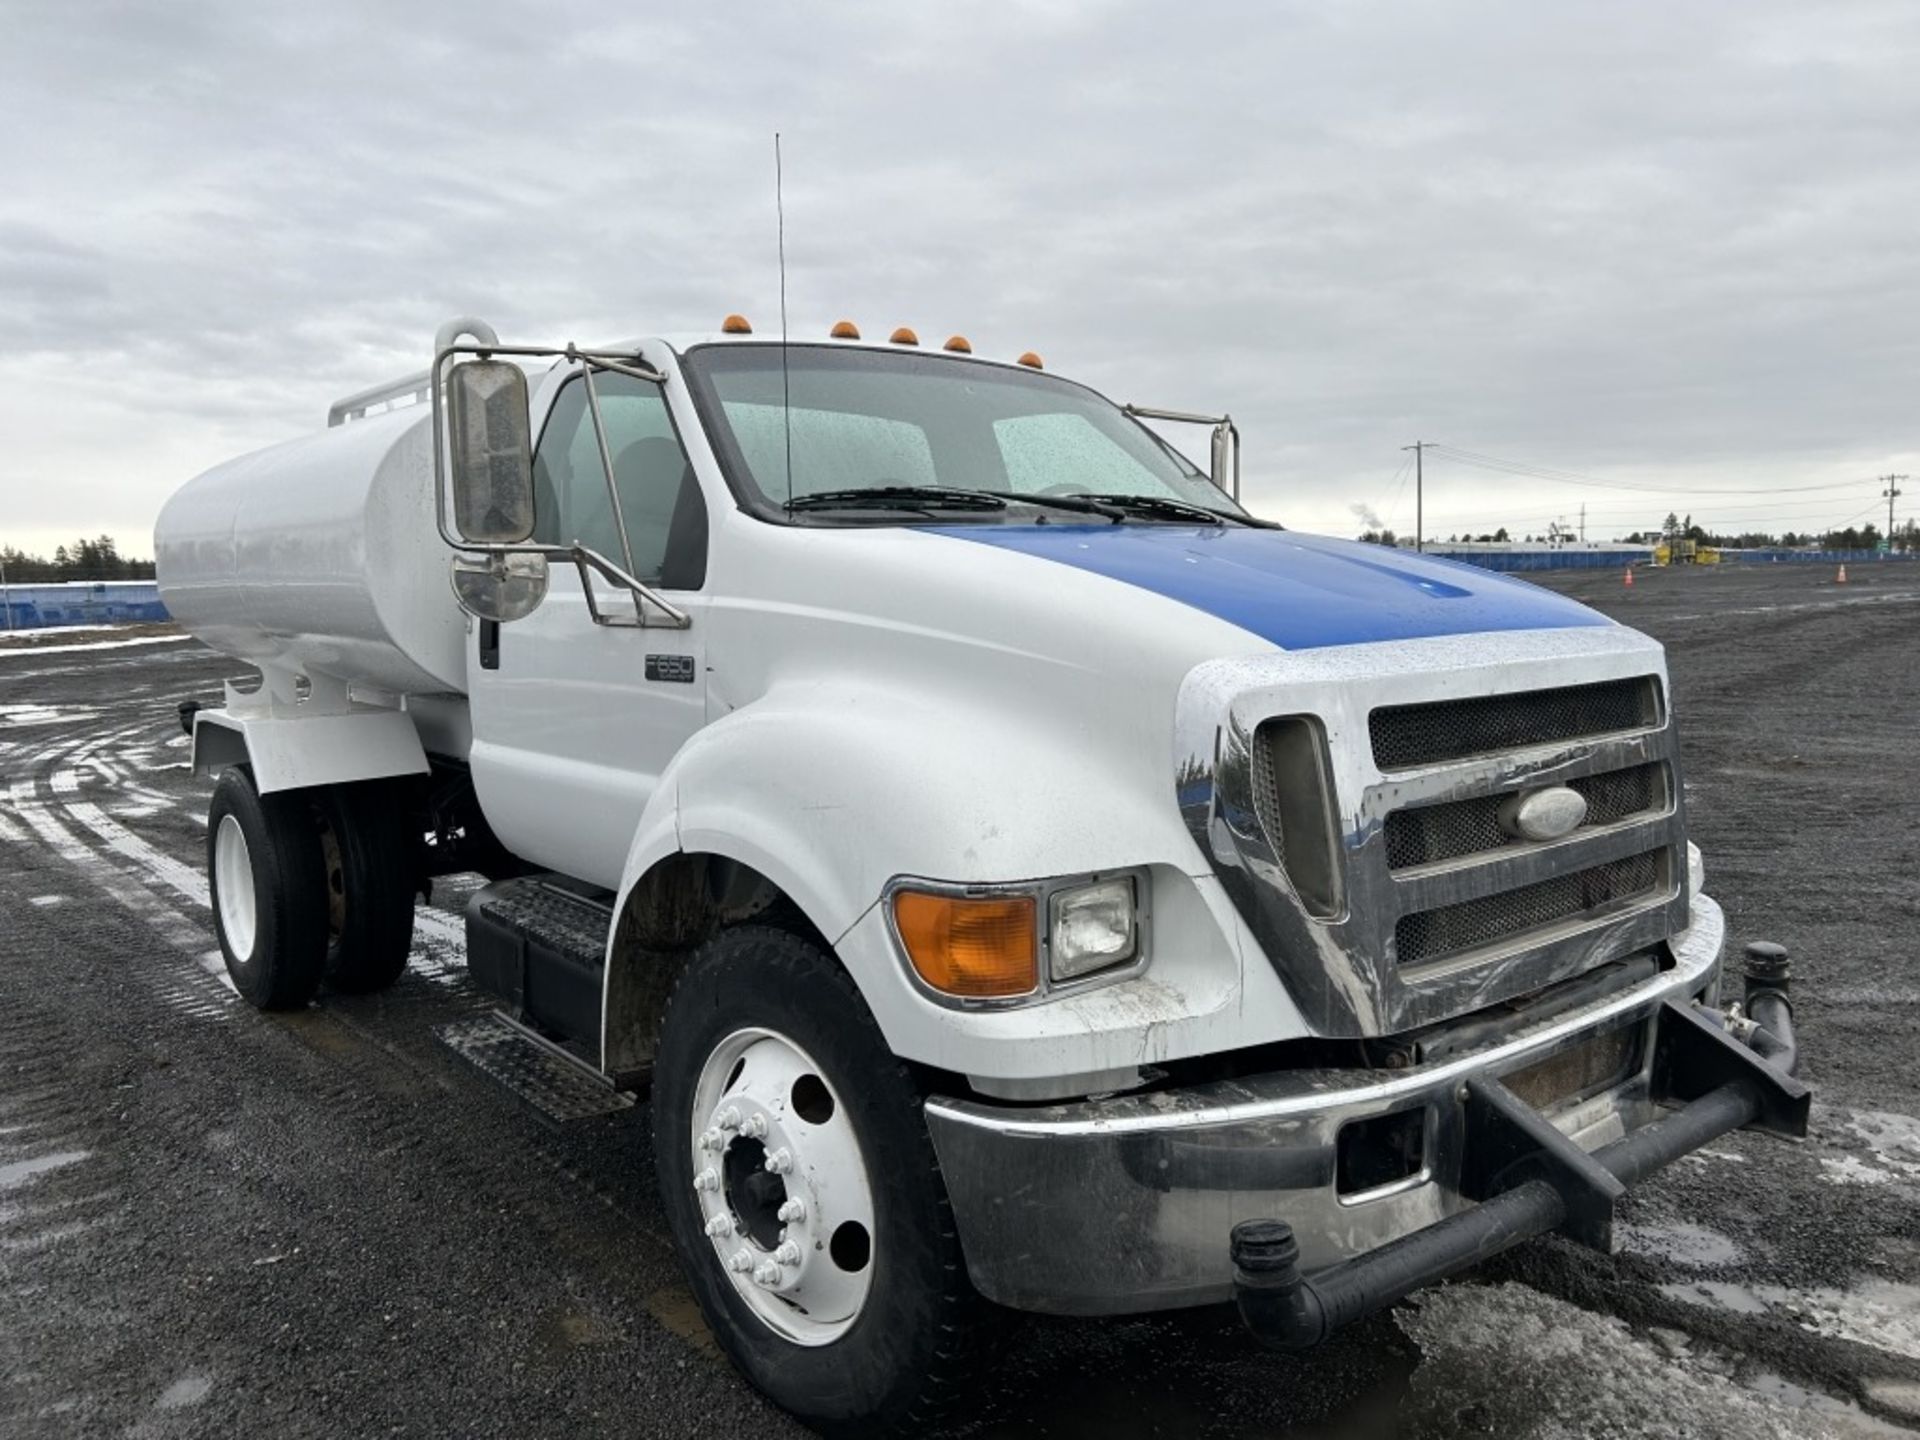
point(1225, 441)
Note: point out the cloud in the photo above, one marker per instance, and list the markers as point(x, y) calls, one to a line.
point(1661, 244)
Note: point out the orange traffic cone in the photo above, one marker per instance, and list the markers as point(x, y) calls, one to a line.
point(1841, 578)
point(1629, 577)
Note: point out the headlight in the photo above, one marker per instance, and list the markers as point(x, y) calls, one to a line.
point(1091, 927)
point(1696, 870)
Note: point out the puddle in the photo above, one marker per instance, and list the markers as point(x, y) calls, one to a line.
point(1693, 1247)
point(1716, 1294)
point(1843, 1416)
point(31, 714)
point(187, 1390)
point(1881, 1314)
point(1507, 1360)
point(15, 1173)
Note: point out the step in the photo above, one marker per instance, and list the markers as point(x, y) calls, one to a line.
point(557, 1084)
point(538, 945)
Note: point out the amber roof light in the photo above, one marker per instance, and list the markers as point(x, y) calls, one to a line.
point(735, 325)
point(903, 336)
point(958, 344)
point(1031, 361)
point(845, 330)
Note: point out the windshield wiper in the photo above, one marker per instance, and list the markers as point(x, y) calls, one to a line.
point(1156, 505)
point(1082, 504)
point(897, 497)
point(947, 497)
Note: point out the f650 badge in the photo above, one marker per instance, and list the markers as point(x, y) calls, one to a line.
point(677, 669)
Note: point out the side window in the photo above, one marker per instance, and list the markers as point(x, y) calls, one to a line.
point(665, 513)
point(1064, 452)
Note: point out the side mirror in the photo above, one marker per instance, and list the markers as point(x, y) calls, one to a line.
point(491, 453)
point(500, 587)
point(1226, 457)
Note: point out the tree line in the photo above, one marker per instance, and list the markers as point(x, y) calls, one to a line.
point(1852, 537)
point(95, 559)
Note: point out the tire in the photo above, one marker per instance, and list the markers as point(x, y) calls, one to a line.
point(902, 1356)
point(268, 891)
point(372, 873)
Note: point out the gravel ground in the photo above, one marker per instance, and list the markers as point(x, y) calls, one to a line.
point(217, 1222)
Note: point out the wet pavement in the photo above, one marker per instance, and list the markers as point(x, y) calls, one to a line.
point(217, 1222)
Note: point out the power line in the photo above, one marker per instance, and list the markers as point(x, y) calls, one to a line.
point(1570, 477)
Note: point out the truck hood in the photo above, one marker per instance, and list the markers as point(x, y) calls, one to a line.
point(1296, 591)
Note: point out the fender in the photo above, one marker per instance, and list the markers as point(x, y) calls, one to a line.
point(940, 787)
point(294, 740)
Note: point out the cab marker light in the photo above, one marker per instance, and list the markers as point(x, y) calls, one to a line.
point(844, 330)
point(903, 336)
point(1031, 361)
point(735, 325)
point(958, 344)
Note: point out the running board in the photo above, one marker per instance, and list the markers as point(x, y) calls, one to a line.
point(556, 1083)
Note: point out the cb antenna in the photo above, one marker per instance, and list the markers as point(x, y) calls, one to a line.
point(786, 382)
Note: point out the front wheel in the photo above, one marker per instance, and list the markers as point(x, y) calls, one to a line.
point(803, 1192)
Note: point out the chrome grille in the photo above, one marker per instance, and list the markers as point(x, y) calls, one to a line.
point(1425, 834)
point(1507, 917)
point(1405, 736)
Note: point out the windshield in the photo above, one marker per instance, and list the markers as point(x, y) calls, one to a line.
point(863, 420)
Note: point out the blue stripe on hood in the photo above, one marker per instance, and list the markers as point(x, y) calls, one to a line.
point(1298, 591)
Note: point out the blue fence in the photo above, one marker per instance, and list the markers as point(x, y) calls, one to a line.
point(1544, 559)
point(1817, 557)
point(80, 602)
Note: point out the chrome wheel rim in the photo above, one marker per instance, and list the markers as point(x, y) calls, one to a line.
point(782, 1187)
point(233, 882)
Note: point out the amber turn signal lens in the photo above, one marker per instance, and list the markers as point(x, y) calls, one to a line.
point(735, 325)
point(972, 946)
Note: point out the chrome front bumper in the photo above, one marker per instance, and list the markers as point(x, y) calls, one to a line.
point(1122, 1205)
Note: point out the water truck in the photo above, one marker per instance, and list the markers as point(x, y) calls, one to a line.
point(1012, 873)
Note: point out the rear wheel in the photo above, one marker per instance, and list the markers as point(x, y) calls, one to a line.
point(268, 891)
point(803, 1191)
point(371, 867)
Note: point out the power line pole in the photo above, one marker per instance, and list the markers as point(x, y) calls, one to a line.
point(1892, 492)
point(1419, 449)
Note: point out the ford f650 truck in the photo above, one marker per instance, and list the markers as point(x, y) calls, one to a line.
point(1019, 874)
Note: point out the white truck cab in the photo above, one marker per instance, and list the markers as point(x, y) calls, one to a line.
point(1020, 875)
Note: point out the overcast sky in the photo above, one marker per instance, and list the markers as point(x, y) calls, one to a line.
point(1661, 245)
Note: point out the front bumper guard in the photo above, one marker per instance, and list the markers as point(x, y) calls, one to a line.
point(1125, 1204)
point(1529, 1178)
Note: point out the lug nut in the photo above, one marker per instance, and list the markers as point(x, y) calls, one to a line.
point(729, 1118)
point(766, 1273)
point(780, 1162)
point(720, 1226)
point(713, 1140)
point(791, 1212)
point(755, 1127)
point(707, 1179)
point(788, 1253)
point(741, 1261)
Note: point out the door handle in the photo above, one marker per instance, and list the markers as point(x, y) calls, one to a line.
point(489, 644)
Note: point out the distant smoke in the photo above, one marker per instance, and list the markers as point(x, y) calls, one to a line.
point(1368, 517)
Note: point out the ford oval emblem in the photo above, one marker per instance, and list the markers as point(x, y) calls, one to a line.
point(1549, 814)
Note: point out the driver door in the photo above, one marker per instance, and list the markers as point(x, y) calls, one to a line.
point(574, 722)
